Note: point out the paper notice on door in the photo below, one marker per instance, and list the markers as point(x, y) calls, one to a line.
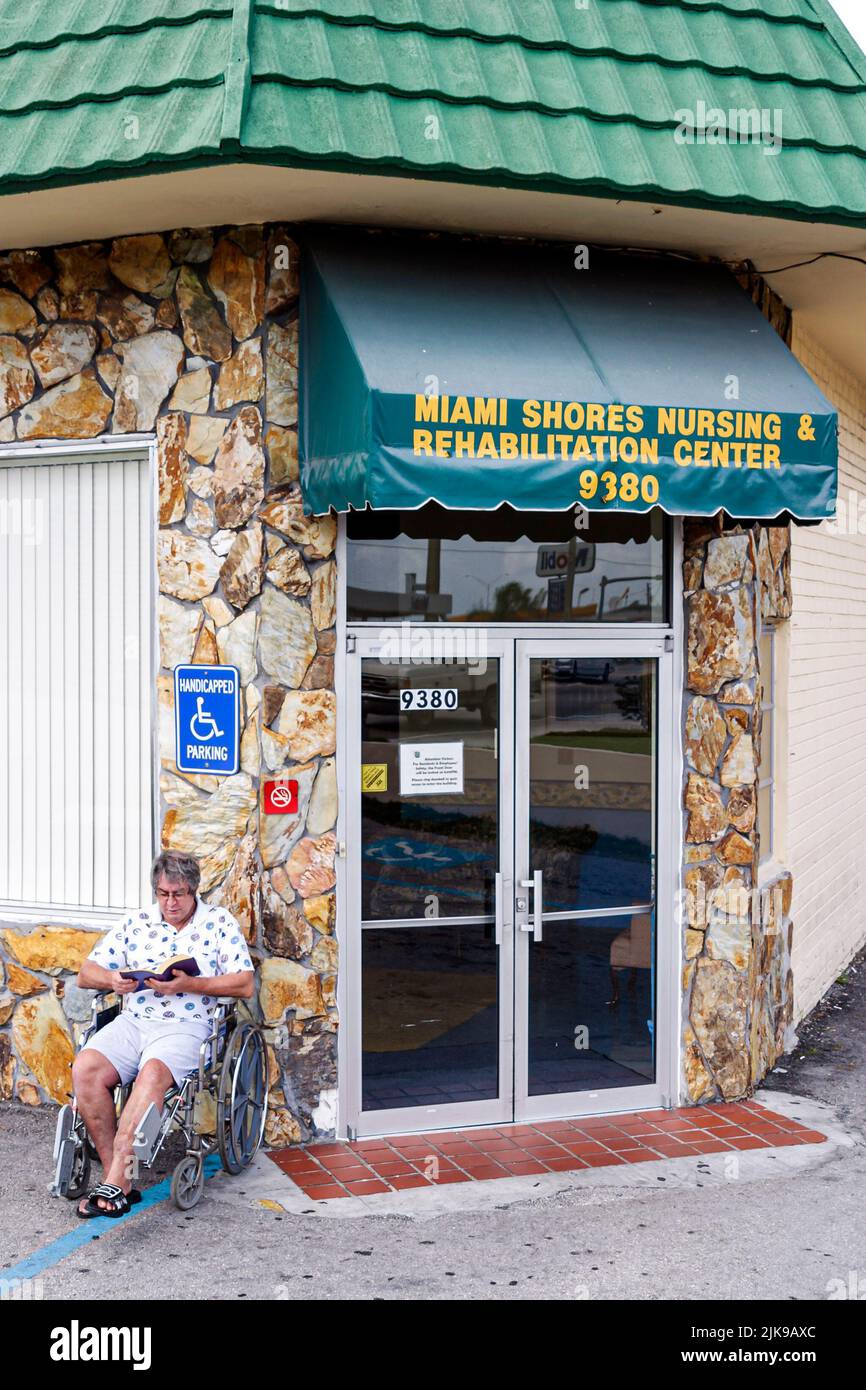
point(430, 769)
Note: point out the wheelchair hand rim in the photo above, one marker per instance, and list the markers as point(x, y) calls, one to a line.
point(242, 1112)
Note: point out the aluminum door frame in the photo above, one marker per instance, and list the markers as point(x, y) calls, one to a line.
point(624, 1098)
point(361, 1123)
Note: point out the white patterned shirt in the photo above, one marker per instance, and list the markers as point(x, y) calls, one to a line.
point(143, 940)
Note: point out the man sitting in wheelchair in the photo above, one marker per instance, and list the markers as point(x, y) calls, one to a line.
point(157, 1036)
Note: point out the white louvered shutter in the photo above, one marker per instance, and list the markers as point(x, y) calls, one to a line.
point(76, 682)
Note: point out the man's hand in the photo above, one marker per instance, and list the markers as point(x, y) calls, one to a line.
point(180, 983)
point(121, 986)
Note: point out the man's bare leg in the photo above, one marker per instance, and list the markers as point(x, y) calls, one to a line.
point(94, 1079)
point(151, 1084)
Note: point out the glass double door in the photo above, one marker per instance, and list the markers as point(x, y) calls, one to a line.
point(502, 829)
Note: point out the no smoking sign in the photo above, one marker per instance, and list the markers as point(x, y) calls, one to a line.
point(281, 798)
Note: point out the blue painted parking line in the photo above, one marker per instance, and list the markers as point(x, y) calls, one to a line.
point(57, 1250)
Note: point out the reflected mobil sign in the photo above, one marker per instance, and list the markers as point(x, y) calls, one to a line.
point(552, 561)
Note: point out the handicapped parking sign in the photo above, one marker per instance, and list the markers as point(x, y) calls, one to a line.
point(207, 718)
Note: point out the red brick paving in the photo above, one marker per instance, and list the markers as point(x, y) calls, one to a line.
point(371, 1166)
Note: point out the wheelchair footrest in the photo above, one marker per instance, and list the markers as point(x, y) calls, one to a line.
point(147, 1133)
point(64, 1152)
point(62, 1129)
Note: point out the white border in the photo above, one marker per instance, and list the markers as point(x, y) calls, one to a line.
point(207, 771)
point(675, 1089)
point(16, 454)
point(346, 1102)
point(670, 869)
point(528, 1108)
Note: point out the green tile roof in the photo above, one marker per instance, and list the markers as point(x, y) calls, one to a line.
point(521, 93)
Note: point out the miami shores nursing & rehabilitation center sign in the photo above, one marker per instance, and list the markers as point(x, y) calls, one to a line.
point(629, 456)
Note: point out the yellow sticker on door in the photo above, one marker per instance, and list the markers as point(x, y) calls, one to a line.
point(374, 777)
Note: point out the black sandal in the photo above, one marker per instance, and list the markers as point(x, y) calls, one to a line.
point(121, 1202)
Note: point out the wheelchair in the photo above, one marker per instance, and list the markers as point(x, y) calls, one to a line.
point(221, 1105)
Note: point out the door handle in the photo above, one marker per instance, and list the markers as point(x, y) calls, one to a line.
point(497, 908)
point(537, 906)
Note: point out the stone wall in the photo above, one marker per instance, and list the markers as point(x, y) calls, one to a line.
point(193, 335)
point(737, 981)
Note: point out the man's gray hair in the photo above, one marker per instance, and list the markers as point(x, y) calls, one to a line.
point(177, 868)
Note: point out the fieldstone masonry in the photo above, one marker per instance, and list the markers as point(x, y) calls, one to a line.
point(737, 982)
point(193, 335)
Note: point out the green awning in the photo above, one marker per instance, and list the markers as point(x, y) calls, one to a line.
point(475, 374)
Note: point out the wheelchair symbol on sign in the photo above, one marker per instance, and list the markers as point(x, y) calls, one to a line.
point(203, 720)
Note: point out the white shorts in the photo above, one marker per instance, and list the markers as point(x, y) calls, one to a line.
point(129, 1042)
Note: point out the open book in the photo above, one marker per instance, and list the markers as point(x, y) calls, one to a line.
point(184, 963)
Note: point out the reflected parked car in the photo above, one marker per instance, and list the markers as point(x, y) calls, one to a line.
point(576, 668)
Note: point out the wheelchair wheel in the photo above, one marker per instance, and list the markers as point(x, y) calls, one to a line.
point(242, 1100)
point(187, 1182)
point(79, 1178)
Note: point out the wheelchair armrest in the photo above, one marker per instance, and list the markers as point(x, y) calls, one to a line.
point(99, 995)
point(100, 1013)
point(103, 1013)
point(107, 1016)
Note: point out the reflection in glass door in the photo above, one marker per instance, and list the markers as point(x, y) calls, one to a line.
point(502, 827)
point(432, 838)
point(585, 918)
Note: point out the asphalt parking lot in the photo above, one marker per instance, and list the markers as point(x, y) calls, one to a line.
point(790, 1225)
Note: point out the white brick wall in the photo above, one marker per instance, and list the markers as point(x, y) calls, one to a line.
point(826, 802)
